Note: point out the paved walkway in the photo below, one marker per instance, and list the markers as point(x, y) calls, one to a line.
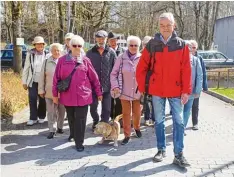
point(28, 153)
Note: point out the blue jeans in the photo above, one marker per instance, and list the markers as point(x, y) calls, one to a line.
point(187, 111)
point(159, 104)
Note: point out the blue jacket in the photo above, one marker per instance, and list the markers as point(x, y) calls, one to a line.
point(204, 84)
point(197, 76)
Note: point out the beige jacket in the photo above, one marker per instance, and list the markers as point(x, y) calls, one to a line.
point(46, 78)
point(27, 75)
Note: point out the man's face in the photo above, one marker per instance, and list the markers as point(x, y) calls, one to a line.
point(101, 41)
point(67, 41)
point(112, 43)
point(39, 47)
point(194, 49)
point(166, 27)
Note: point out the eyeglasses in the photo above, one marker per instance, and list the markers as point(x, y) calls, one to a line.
point(75, 46)
point(131, 45)
point(194, 48)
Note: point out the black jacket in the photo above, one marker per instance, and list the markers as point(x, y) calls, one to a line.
point(103, 65)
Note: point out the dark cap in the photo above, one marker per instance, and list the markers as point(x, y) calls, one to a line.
point(101, 33)
point(112, 36)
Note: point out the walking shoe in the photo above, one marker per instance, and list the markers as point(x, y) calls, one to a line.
point(195, 127)
point(51, 135)
point(181, 161)
point(70, 138)
point(31, 122)
point(138, 133)
point(94, 125)
point(159, 156)
point(41, 121)
point(80, 149)
point(60, 131)
point(147, 123)
point(125, 140)
point(185, 134)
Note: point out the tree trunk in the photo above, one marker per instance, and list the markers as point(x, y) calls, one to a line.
point(16, 27)
point(73, 17)
point(61, 25)
point(206, 23)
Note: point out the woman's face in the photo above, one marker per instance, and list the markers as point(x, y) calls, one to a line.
point(75, 48)
point(56, 53)
point(39, 47)
point(133, 47)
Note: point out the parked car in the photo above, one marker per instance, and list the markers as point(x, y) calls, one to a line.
point(216, 59)
point(10, 46)
point(7, 58)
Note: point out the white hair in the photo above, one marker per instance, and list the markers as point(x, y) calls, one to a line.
point(134, 38)
point(194, 43)
point(56, 45)
point(167, 15)
point(146, 39)
point(76, 40)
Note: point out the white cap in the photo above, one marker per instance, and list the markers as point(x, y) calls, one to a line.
point(38, 40)
point(69, 35)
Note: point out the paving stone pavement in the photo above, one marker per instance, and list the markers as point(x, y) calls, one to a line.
point(26, 152)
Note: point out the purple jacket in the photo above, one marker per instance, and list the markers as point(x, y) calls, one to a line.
point(83, 81)
point(127, 82)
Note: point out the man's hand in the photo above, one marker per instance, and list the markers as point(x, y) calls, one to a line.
point(184, 98)
point(42, 95)
point(99, 98)
point(55, 100)
point(25, 86)
point(196, 95)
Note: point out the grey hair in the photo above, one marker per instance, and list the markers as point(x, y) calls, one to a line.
point(146, 39)
point(134, 38)
point(56, 45)
point(194, 43)
point(167, 15)
point(76, 40)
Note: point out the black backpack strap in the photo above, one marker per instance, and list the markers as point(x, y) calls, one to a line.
point(32, 56)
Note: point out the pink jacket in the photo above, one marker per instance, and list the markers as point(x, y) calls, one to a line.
point(83, 81)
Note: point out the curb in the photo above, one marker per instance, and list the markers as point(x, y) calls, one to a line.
point(221, 97)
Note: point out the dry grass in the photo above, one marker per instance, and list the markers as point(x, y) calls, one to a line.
point(13, 97)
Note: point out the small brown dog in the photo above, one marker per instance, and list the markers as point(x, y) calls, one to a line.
point(109, 131)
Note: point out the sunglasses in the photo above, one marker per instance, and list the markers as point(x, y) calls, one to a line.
point(75, 46)
point(193, 47)
point(133, 45)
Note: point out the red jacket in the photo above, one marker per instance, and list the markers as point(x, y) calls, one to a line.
point(172, 70)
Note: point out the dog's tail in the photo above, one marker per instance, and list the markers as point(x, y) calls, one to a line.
point(118, 118)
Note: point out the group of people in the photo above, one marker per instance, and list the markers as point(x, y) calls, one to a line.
point(167, 68)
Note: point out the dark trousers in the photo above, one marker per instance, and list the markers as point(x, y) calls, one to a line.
point(36, 111)
point(106, 108)
point(116, 108)
point(149, 111)
point(195, 111)
point(77, 116)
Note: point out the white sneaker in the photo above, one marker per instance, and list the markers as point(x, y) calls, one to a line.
point(31, 122)
point(41, 121)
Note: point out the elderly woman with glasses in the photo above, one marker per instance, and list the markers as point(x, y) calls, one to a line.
point(79, 93)
point(55, 113)
point(124, 85)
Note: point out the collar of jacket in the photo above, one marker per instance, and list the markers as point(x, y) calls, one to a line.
point(69, 58)
point(95, 48)
point(125, 55)
point(174, 37)
point(51, 59)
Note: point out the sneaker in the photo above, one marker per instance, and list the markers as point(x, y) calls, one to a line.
point(181, 161)
point(51, 135)
point(31, 122)
point(138, 133)
point(60, 131)
point(41, 121)
point(147, 123)
point(125, 140)
point(159, 156)
point(195, 127)
point(185, 134)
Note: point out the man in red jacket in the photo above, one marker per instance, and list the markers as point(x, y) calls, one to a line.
point(166, 61)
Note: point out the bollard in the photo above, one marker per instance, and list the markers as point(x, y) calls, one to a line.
point(218, 79)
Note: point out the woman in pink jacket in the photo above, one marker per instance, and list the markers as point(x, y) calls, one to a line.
point(123, 84)
point(79, 94)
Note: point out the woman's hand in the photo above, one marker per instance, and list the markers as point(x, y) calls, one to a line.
point(55, 100)
point(25, 86)
point(42, 95)
point(99, 98)
point(116, 90)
